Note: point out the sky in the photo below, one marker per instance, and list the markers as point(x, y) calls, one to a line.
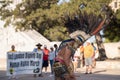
point(61, 1)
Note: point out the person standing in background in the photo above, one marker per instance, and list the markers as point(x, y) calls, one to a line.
point(88, 54)
point(38, 49)
point(82, 55)
point(11, 69)
point(45, 58)
point(56, 48)
point(13, 49)
point(51, 59)
point(93, 58)
point(76, 59)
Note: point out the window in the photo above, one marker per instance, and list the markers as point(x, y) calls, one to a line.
point(115, 4)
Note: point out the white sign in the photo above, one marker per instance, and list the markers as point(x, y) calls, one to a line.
point(24, 63)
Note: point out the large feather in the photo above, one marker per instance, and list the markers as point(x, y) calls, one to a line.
point(85, 22)
point(84, 25)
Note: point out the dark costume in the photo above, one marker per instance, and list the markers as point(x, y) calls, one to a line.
point(61, 70)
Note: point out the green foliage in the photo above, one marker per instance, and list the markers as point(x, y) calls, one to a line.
point(118, 14)
point(56, 33)
point(5, 13)
point(112, 32)
point(47, 17)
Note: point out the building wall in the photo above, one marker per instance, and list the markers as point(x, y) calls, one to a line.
point(115, 4)
point(112, 50)
point(23, 41)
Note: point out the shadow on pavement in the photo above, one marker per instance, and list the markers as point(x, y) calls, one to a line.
point(100, 71)
point(98, 77)
point(3, 75)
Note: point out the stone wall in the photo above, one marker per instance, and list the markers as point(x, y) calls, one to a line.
point(23, 41)
point(112, 50)
point(108, 64)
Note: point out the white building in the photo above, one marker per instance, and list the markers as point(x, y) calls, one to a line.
point(115, 5)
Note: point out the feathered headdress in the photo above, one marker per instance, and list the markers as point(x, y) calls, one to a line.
point(85, 25)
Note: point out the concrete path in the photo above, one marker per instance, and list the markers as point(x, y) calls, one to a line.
point(98, 74)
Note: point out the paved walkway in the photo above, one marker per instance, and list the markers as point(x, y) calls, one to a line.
point(98, 74)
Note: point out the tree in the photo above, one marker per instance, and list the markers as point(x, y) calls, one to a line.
point(101, 48)
point(112, 32)
point(5, 13)
point(41, 15)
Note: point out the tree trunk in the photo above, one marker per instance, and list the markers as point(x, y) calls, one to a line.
point(101, 49)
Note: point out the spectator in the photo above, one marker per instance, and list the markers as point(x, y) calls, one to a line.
point(82, 56)
point(45, 58)
point(94, 54)
point(13, 49)
point(76, 59)
point(11, 69)
point(51, 59)
point(38, 49)
point(56, 48)
point(88, 54)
